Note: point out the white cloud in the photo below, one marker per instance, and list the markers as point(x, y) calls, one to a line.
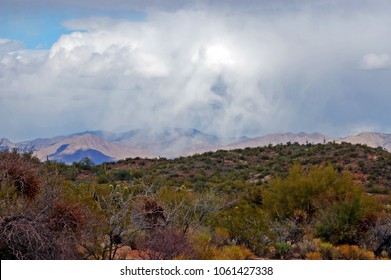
point(373, 61)
point(7, 46)
point(234, 73)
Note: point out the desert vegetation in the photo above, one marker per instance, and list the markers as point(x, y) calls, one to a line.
point(325, 201)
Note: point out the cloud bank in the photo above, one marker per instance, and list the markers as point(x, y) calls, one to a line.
point(226, 71)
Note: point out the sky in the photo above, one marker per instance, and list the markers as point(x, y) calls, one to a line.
point(228, 68)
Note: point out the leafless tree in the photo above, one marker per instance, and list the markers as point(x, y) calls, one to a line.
point(124, 215)
point(190, 210)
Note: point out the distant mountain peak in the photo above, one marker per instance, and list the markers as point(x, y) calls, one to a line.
point(6, 144)
point(371, 139)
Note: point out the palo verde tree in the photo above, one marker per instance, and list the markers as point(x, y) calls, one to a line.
point(331, 200)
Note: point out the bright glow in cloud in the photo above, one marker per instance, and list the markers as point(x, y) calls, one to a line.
point(237, 73)
point(217, 56)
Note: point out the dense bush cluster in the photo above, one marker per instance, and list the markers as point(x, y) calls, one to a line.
point(280, 202)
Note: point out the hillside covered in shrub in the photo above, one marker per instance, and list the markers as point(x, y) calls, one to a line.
point(324, 201)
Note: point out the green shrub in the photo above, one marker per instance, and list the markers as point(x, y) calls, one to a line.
point(121, 175)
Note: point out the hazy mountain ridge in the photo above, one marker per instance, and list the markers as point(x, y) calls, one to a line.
point(97, 148)
point(370, 139)
point(103, 146)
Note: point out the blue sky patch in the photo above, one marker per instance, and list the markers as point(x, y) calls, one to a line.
point(40, 30)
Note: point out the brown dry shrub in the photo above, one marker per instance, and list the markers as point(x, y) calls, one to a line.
point(28, 237)
point(153, 212)
point(164, 244)
point(147, 214)
point(43, 229)
point(68, 217)
point(21, 172)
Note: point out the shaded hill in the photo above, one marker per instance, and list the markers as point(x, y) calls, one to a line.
point(95, 156)
point(75, 148)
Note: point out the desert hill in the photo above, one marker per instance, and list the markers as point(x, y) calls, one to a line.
point(102, 146)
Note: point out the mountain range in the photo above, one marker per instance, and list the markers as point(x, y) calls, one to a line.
point(103, 146)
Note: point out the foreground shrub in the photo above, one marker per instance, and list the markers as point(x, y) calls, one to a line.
point(326, 251)
point(283, 250)
point(36, 222)
point(247, 225)
point(332, 199)
point(164, 244)
point(353, 252)
point(30, 236)
point(310, 191)
point(232, 252)
point(378, 238)
point(205, 249)
point(19, 171)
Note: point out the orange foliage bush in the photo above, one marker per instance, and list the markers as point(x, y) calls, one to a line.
point(313, 256)
point(353, 252)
